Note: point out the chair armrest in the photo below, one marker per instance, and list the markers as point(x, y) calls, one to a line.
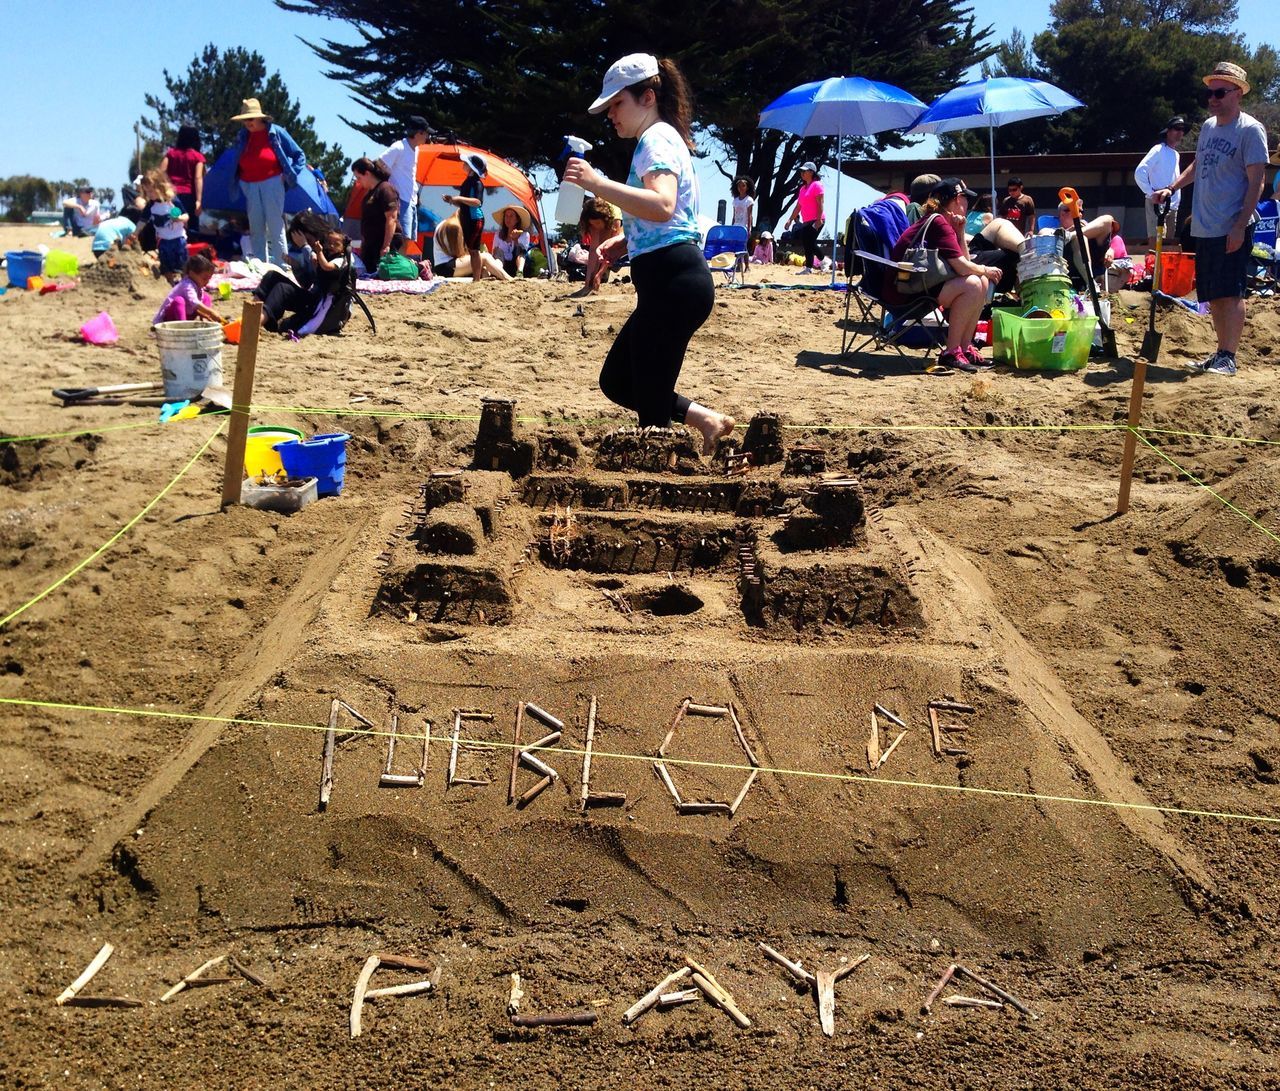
point(902, 266)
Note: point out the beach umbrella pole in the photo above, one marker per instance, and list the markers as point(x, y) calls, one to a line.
point(835, 231)
point(991, 133)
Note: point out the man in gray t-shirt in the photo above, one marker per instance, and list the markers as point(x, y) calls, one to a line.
point(1230, 162)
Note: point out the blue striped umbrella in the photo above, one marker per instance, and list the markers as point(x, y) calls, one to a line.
point(841, 106)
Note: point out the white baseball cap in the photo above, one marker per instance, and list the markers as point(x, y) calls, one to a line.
point(631, 69)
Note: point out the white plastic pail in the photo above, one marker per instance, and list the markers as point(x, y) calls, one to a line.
point(190, 357)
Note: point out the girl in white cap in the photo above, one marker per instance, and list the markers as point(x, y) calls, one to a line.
point(648, 101)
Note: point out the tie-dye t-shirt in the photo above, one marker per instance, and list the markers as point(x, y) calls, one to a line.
point(661, 148)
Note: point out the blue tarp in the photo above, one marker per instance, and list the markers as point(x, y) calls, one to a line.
point(307, 194)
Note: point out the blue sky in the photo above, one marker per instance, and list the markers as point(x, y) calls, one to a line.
point(84, 67)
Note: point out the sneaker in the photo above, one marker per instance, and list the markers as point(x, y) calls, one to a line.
point(1223, 363)
point(1201, 365)
point(804, 271)
point(957, 359)
point(974, 355)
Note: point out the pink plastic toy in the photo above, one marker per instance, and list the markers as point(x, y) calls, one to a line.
point(100, 330)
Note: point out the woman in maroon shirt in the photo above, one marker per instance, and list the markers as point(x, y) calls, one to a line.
point(941, 228)
point(379, 211)
point(184, 163)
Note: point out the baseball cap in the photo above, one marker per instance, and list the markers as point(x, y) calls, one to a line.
point(1178, 122)
point(416, 124)
point(809, 164)
point(631, 69)
point(950, 188)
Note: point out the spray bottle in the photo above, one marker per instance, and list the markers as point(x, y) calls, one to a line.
point(569, 203)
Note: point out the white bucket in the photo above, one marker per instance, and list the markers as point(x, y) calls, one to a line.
point(190, 357)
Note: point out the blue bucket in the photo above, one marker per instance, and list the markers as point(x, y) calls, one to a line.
point(323, 457)
point(22, 265)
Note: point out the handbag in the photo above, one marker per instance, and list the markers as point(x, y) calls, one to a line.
point(928, 269)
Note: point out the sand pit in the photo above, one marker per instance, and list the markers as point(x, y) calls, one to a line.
point(506, 539)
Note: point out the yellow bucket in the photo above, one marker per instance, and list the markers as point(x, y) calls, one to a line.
point(259, 458)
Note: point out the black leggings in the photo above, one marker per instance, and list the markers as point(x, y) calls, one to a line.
point(674, 296)
point(807, 236)
point(279, 296)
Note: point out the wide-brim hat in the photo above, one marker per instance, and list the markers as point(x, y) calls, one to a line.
point(476, 162)
point(1229, 73)
point(500, 217)
point(249, 109)
point(623, 73)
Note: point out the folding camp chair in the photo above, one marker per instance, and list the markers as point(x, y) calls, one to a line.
point(726, 251)
point(887, 325)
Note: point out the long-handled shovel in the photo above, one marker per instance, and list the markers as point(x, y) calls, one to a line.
point(1149, 351)
point(1152, 338)
point(1071, 199)
point(70, 397)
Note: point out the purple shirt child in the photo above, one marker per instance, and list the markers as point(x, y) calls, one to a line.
point(180, 304)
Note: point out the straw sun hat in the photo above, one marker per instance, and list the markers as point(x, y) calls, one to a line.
point(521, 212)
point(249, 109)
point(1229, 73)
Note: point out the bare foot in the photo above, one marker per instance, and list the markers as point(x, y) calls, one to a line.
point(711, 424)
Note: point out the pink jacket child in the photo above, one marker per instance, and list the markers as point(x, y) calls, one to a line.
point(188, 300)
point(763, 253)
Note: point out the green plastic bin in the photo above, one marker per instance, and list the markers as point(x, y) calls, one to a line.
point(1041, 344)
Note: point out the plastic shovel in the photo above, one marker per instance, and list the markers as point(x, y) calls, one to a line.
point(70, 397)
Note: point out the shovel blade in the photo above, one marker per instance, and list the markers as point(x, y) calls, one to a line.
point(1151, 345)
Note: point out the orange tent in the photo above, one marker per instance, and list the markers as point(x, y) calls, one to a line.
point(441, 165)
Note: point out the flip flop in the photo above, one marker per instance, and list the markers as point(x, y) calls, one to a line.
point(938, 369)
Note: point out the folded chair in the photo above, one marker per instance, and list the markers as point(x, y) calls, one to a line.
point(726, 251)
point(887, 325)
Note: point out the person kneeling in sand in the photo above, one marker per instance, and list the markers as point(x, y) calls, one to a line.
point(188, 301)
point(600, 230)
point(452, 258)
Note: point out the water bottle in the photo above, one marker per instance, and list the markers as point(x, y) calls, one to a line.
point(569, 203)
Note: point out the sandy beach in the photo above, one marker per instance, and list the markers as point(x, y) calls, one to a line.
point(1127, 660)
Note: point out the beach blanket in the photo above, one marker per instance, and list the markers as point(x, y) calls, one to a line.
point(246, 281)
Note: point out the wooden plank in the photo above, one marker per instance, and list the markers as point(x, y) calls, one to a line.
point(241, 399)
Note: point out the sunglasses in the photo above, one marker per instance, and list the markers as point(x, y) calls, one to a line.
point(1219, 92)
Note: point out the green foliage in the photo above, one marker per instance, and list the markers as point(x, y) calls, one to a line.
point(515, 75)
point(22, 194)
point(209, 94)
point(1134, 63)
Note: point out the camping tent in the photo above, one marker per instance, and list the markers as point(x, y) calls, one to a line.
point(307, 194)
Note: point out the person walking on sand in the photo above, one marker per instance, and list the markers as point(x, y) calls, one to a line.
point(268, 162)
point(401, 162)
point(809, 212)
point(1228, 170)
point(470, 206)
point(1159, 167)
point(647, 100)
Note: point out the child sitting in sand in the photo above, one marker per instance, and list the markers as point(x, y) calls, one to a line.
point(763, 252)
point(170, 222)
point(115, 233)
point(189, 301)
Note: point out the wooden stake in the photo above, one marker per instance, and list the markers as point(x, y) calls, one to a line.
point(1131, 435)
point(721, 1000)
point(873, 743)
point(675, 722)
point(99, 960)
point(326, 764)
point(661, 769)
point(391, 744)
point(995, 990)
point(405, 962)
point(936, 733)
point(245, 972)
point(683, 996)
point(881, 710)
point(795, 969)
point(104, 1002)
point(241, 399)
point(556, 1019)
point(653, 995)
point(453, 749)
point(412, 988)
point(516, 995)
point(515, 754)
point(705, 808)
point(706, 710)
point(586, 760)
point(849, 967)
point(546, 717)
point(892, 747)
point(972, 1002)
point(544, 743)
point(191, 977)
point(538, 765)
point(606, 799)
point(927, 1006)
point(530, 794)
point(737, 801)
point(742, 735)
point(357, 999)
point(826, 990)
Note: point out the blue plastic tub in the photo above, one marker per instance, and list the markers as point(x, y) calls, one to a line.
point(323, 457)
point(22, 265)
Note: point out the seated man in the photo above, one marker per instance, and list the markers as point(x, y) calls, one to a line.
point(81, 214)
point(1097, 233)
point(998, 243)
